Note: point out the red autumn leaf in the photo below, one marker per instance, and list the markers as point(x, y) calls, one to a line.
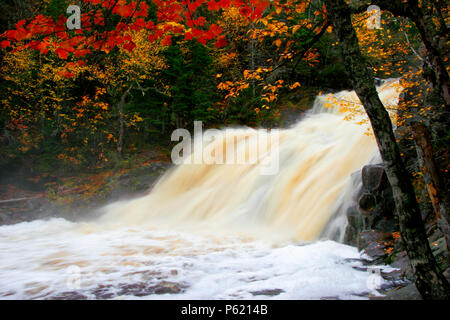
point(43, 47)
point(98, 19)
point(200, 21)
point(81, 53)
point(143, 10)
point(5, 43)
point(69, 75)
point(215, 29)
point(246, 11)
point(166, 41)
point(61, 53)
point(20, 23)
point(127, 38)
point(188, 36)
point(125, 11)
point(214, 6)
point(129, 46)
point(17, 35)
point(220, 42)
point(221, 4)
point(260, 4)
point(140, 23)
point(192, 7)
point(204, 38)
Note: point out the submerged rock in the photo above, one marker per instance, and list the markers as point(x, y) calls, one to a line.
point(267, 292)
point(144, 289)
point(70, 295)
point(168, 287)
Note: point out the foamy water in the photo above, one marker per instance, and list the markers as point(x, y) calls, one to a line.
point(69, 260)
point(213, 231)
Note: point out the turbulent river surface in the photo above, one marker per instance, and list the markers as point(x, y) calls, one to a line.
point(216, 231)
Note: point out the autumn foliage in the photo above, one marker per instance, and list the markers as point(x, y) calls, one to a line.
point(137, 69)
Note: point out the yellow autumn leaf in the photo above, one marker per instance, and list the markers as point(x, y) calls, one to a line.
point(295, 85)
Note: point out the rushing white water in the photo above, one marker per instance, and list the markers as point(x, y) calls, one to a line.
point(213, 231)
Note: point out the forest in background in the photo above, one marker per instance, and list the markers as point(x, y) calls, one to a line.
point(70, 108)
point(94, 100)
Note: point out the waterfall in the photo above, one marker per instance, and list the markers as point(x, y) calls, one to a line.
point(316, 159)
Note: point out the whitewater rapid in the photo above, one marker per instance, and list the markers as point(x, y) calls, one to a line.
point(215, 231)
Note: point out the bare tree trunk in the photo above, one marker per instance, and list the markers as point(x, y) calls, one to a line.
point(428, 277)
point(433, 59)
point(120, 108)
point(432, 179)
point(121, 130)
point(434, 38)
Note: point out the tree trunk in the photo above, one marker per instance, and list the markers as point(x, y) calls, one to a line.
point(120, 110)
point(121, 128)
point(434, 59)
point(428, 277)
point(433, 37)
point(432, 179)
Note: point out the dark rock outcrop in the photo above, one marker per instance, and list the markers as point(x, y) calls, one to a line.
point(372, 224)
point(376, 204)
point(374, 207)
point(371, 241)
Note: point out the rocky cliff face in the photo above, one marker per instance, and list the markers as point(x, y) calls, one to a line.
point(373, 228)
point(374, 206)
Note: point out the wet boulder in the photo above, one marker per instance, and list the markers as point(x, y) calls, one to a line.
point(371, 243)
point(367, 202)
point(373, 177)
point(374, 205)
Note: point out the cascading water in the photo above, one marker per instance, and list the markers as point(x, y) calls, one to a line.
point(214, 231)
